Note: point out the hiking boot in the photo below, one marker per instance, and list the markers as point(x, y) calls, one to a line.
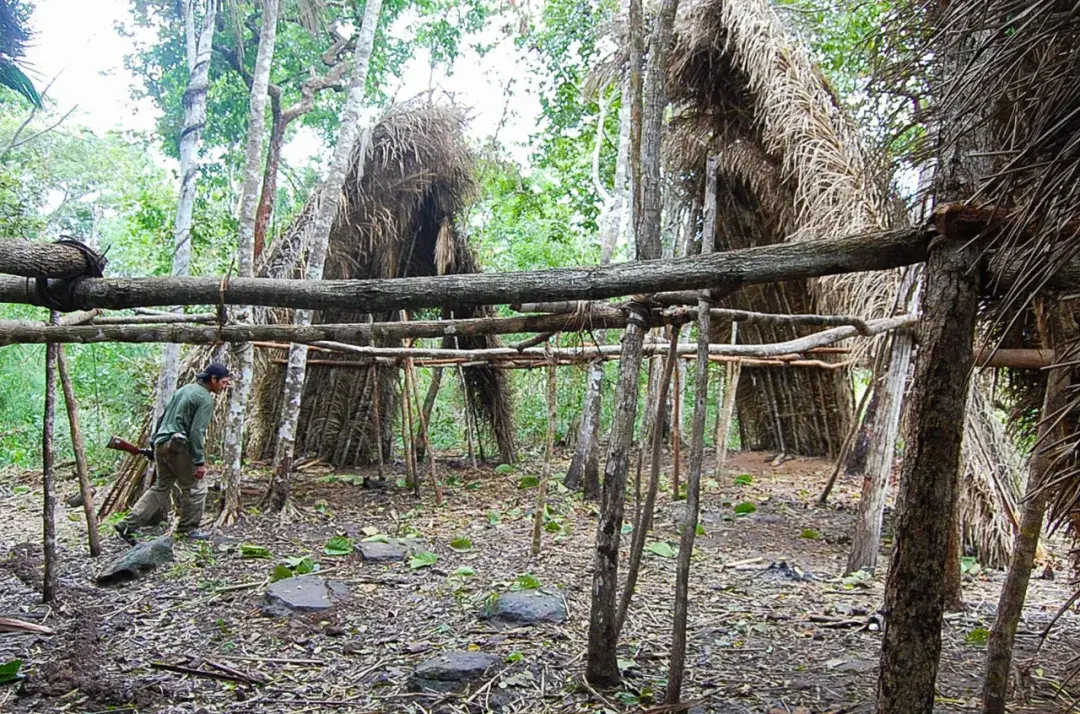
point(128, 535)
point(194, 535)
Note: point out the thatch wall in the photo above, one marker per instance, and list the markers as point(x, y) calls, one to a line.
point(397, 220)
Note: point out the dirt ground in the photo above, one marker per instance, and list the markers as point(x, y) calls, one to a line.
point(761, 638)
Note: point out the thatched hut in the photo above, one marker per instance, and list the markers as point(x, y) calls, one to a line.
point(792, 168)
point(408, 183)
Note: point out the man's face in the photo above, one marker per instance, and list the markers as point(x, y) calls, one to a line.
point(218, 384)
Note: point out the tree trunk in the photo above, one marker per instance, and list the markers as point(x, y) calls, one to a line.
point(194, 100)
point(48, 586)
point(953, 597)
point(268, 196)
point(1044, 465)
point(676, 666)
point(643, 524)
point(79, 447)
point(585, 464)
point(584, 467)
point(867, 537)
point(40, 260)
point(929, 481)
point(330, 193)
point(859, 453)
point(601, 664)
point(739, 268)
point(428, 407)
point(549, 448)
point(243, 352)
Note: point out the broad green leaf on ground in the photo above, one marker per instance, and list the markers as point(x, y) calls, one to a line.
point(744, 480)
point(503, 469)
point(338, 545)
point(423, 559)
point(978, 637)
point(249, 550)
point(301, 565)
point(280, 572)
point(377, 538)
point(810, 534)
point(461, 545)
point(528, 482)
point(526, 581)
point(745, 508)
point(464, 571)
point(659, 547)
point(9, 671)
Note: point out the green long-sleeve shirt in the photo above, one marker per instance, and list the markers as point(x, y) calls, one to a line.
point(188, 413)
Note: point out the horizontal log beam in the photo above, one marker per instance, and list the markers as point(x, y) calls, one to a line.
point(40, 260)
point(537, 364)
point(1014, 358)
point(722, 271)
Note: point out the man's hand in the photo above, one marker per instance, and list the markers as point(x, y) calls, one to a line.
point(200, 471)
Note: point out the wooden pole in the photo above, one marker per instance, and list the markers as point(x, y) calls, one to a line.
point(644, 524)
point(407, 436)
point(423, 433)
point(48, 587)
point(929, 482)
point(78, 446)
point(1045, 463)
point(549, 448)
point(676, 666)
point(733, 370)
point(378, 418)
point(752, 266)
point(676, 438)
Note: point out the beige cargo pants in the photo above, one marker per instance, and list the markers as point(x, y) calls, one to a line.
point(174, 467)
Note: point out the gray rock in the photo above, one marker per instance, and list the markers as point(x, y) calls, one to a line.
point(770, 519)
point(137, 561)
point(307, 593)
point(783, 570)
point(527, 607)
point(451, 671)
point(383, 552)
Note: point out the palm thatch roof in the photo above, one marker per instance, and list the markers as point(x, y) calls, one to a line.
point(401, 198)
point(792, 168)
point(1001, 91)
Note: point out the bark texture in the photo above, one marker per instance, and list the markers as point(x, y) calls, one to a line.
point(48, 459)
point(79, 447)
point(676, 666)
point(242, 353)
point(602, 667)
point(867, 537)
point(750, 266)
point(330, 193)
point(199, 46)
point(40, 260)
point(929, 481)
point(1051, 430)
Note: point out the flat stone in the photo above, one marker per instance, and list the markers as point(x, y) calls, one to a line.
point(770, 519)
point(338, 590)
point(307, 593)
point(137, 561)
point(783, 570)
point(450, 671)
point(378, 552)
point(527, 607)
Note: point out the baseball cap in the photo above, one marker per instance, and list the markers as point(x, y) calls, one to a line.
point(214, 369)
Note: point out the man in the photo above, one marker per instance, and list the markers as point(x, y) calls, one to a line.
point(178, 453)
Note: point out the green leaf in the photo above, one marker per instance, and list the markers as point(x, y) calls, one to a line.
point(461, 545)
point(9, 671)
point(970, 566)
point(978, 637)
point(503, 469)
point(526, 581)
point(528, 482)
point(745, 508)
point(20, 489)
point(627, 528)
point(464, 571)
point(744, 480)
point(659, 547)
point(280, 572)
point(249, 550)
point(625, 664)
point(810, 534)
point(423, 559)
point(377, 538)
point(700, 530)
point(515, 657)
point(338, 545)
point(628, 699)
point(553, 527)
point(494, 518)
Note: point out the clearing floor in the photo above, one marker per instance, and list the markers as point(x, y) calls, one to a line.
point(773, 626)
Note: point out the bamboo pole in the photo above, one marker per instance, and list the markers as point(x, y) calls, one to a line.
point(378, 419)
point(676, 439)
point(79, 447)
point(429, 451)
point(732, 372)
point(406, 438)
